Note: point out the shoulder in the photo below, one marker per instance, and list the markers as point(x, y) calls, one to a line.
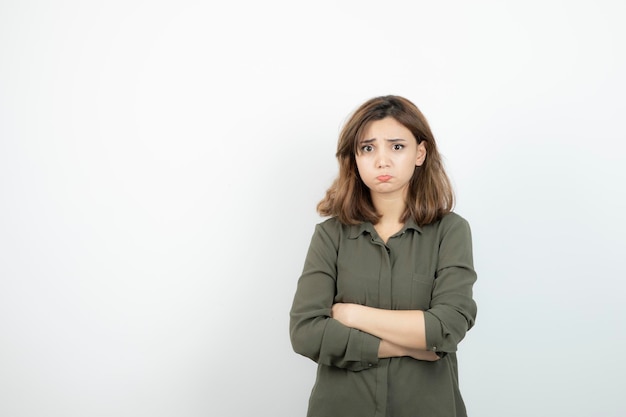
point(453, 219)
point(333, 227)
point(449, 223)
point(337, 231)
point(329, 235)
point(329, 225)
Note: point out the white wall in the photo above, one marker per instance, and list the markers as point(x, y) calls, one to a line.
point(160, 162)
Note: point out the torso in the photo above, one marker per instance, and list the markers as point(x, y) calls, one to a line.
point(402, 274)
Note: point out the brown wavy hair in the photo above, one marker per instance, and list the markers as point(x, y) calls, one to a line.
point(430, 195)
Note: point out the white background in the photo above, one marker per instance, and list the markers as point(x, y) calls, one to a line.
point(160, 163)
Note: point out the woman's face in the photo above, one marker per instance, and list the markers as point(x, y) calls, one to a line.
point(386, 158)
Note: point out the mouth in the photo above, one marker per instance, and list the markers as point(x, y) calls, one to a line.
point(383, 178)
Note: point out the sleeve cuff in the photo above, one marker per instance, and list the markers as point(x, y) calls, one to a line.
point(369, 350)
point(434, 337)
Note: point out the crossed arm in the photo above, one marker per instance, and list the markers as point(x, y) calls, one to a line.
point(402, 332)
point(356, 335)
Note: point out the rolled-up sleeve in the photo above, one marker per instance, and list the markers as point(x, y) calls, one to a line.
point(313, 332)
point(452, 310)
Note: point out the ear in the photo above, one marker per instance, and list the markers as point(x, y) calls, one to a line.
point(421, 154)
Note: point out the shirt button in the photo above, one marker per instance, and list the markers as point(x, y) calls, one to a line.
point(369, 364)
point(434, 348)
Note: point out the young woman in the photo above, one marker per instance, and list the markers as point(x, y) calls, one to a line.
point(385, 295)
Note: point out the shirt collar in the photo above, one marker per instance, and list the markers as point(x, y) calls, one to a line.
point(410, 224)
point(357, 230)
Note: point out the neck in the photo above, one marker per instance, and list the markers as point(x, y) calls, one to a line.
point(391, 209)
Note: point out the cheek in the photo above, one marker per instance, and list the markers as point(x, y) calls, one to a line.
point(412, 159)
point(362, 172)
point(359, 165)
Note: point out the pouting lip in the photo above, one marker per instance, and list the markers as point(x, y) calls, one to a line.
point(383, 178)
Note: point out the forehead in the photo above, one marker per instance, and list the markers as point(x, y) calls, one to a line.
point(387, 128)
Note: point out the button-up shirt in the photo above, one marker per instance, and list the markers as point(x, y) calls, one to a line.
point(427, 268)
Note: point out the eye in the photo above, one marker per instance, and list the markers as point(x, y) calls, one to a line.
point(397, 146)
point(367, 148)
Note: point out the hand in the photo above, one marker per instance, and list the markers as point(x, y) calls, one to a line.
point(344, 313)
point(423, 355)
point(389, 350)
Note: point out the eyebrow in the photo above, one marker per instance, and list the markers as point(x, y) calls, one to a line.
point(368, 141)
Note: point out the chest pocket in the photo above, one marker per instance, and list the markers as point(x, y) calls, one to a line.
point(421, 291)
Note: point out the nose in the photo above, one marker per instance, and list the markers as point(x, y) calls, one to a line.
point(382, 159)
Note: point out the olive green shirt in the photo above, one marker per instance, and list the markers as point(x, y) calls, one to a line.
point(427, 268)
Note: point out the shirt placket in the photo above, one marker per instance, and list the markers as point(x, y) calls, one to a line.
point(384, 301)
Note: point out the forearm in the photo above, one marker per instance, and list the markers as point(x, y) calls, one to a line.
point(389, 350)
point(326, 341)
point(405, 328)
